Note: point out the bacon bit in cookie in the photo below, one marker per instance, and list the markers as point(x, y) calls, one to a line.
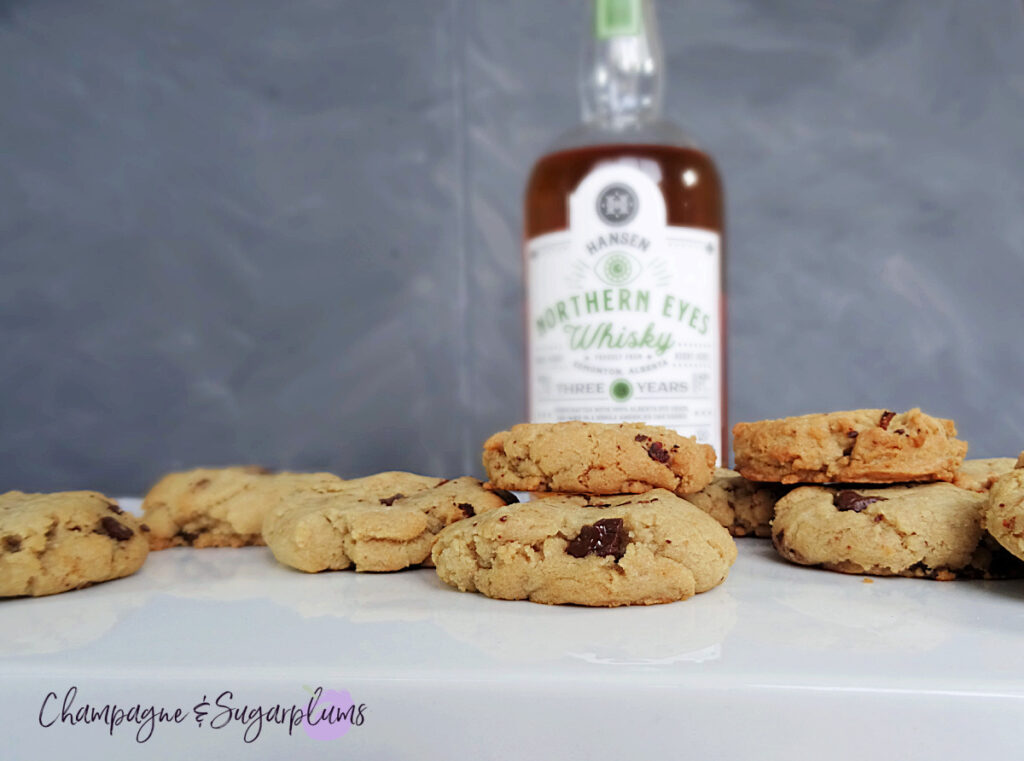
point(467, 509)
point(502, 519)
point(878, 518)
point(507, 496)
point(668, 541)
point(607, 537)
point(114, 529)
point(852, 434)
point(851, 500)
point(12, 543)
point(656, 451)
point(1010, 523)
point(389, 501)
point(641, 437)
point(443, 482)
point(886, 419)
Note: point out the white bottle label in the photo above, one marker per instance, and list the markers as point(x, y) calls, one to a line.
point(624, 311)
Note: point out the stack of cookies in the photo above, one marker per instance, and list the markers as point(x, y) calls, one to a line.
point(896, 498)
point(605, 525)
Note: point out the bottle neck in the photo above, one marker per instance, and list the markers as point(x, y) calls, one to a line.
point(621, 72)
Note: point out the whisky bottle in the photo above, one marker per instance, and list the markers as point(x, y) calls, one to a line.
point(623, 231)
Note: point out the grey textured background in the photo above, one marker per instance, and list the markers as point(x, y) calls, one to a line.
point(288, 233)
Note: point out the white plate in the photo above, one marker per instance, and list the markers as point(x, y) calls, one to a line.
point(779, 662)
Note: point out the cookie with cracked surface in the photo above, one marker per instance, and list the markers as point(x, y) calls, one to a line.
point(52, 543)
point(1004, 512)
point(859, 446)
point(221, 507)
point(384, 522)
point(743, 507)
point(979, 475)
point(924, 530)
point(588, 550)
point(596, 458)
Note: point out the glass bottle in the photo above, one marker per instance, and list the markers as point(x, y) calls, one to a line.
point(624, 257)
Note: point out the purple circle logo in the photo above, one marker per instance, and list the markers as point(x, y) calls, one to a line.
point(328, 714)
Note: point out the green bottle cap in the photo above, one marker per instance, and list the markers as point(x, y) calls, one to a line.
point(617, 18)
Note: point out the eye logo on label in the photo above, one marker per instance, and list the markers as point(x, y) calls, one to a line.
point(617, 268)
point(617, 204)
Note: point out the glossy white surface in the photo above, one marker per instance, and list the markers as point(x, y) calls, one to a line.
point(778, 662)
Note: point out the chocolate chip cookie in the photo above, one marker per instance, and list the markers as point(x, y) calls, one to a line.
point(597, 458)
point(860, 446)
point(979, 475)
point(927, 530)
point(743, 507)
point(588, 550)
point(384, 522)
point(52, 543)
point(1004, 512)
point(221, 507)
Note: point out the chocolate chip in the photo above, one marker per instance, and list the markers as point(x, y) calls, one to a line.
point(188, 536)
point(886, 419)
point(656, 451)
point(507, 496)
point(599, 504)
point(144, 528)
point(467, 509)
point(851, 434)
point(114, 529)
point(502, 519)
point(641, 437)
point(606, 537)
point(112, 507)
point(12, 543)
point(851, 500)
point(202, 483)
point(389, 501)
point(899, 430)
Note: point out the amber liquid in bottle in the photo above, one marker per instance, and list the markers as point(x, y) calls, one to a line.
point(693, 198)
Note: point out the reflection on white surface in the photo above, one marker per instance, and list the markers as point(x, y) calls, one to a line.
point(236, 610)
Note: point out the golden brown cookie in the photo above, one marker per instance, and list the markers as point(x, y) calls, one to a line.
point(384, 522)
point(596, 458)
point(743, 507)
point(979, 475)
point(1004, 511)
point(588, 550)
point(927, 530)
point(859, 446)
point(221, 507)
point(52, 543)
